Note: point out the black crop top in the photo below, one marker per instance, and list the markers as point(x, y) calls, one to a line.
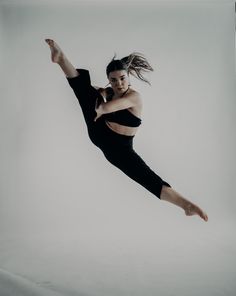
point(124, 117)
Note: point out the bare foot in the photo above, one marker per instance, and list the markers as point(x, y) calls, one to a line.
point(192, 209)
point(57, 54)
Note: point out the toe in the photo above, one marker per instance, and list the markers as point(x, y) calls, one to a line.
point(49, 41)
point(204, 216)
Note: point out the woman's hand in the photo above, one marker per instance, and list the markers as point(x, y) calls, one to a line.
point(99, 110)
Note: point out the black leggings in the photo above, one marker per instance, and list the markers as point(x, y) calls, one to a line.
point(117, 148)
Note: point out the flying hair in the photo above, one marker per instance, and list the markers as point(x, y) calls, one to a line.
point(134, 64)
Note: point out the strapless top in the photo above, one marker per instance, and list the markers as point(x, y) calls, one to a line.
point(123, 117)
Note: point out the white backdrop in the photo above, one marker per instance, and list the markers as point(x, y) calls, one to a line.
point(70, 221)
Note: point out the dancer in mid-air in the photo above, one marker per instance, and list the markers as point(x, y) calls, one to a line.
point(112, 115)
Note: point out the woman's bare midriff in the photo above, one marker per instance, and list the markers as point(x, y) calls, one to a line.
point(121, 129)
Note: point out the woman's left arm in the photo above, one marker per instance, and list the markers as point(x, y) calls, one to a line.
point(130, 100)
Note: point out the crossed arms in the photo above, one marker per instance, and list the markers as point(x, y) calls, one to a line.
point(127, 101)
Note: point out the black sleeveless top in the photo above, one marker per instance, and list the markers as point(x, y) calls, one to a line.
point(124, 117)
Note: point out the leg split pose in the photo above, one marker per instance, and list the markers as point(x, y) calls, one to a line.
point(112, 116)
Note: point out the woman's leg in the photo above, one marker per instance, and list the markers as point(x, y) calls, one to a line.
point(58, 56)
point(130, 163)
point(79, 80)
point(133, 166)
point(172, 196)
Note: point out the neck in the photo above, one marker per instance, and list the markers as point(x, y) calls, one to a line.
point(117, 95)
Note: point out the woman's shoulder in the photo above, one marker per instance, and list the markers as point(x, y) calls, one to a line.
point(135, 96)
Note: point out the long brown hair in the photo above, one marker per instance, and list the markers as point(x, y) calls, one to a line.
point(134, 64)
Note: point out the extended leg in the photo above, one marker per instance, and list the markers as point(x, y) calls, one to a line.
point(172, 196)
point(133, 166)
point(58, 56)
point(130, 163)
point(79, 80)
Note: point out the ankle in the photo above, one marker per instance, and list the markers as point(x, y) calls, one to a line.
point(170, 195)
point(62, 60)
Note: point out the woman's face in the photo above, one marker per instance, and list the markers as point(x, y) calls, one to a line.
point(119, 81)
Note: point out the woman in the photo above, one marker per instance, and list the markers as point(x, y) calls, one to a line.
point(112, 117)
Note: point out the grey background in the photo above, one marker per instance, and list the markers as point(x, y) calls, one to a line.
point(70, 221)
